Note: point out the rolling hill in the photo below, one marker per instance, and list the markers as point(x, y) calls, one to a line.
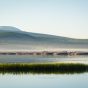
point(12, 38)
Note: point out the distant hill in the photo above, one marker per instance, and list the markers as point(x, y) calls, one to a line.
point(12, 38)
point(8, 28)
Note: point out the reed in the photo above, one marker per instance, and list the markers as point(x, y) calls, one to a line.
point(43, 68)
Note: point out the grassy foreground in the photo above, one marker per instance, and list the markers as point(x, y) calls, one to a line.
point(48, 68)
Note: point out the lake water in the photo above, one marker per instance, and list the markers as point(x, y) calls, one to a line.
point(42, 59)
point(44, 81)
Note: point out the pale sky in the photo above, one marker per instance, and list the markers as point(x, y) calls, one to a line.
point(57, 17)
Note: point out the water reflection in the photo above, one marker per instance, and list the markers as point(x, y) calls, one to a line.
point(45, 76)
point(44, 59)
point(44, 81)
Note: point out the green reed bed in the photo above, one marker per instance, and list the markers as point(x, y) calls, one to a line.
point(48, 68)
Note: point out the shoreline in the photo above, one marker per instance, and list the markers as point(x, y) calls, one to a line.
point(45, 53)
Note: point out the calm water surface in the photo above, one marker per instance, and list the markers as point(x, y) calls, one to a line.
point(36, 59)
point(44, 81)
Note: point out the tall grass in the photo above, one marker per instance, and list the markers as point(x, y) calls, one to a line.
point(49, 68)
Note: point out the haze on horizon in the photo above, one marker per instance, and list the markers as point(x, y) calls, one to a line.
point(67, 18)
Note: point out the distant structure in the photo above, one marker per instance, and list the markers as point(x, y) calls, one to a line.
point(47, 53)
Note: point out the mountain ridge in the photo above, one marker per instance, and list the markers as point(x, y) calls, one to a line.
point(8, 28)
point(11, 39)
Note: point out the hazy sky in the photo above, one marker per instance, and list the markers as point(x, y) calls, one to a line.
point(58, 17)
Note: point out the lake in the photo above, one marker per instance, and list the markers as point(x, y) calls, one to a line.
point(35, 80)
point(42, 59)
point(44, 81)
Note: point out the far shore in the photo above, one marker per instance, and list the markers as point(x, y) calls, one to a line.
point(53, 53)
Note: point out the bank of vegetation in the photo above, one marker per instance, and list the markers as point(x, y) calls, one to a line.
point(48, 68)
